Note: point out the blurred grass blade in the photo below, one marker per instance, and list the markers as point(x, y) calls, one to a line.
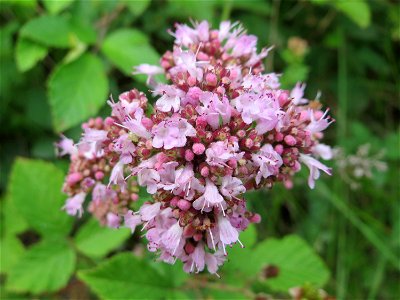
point(368, 233)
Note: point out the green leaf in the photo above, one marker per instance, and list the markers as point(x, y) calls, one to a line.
point(45, 267)
point(14, 223)
point(51, 31)
point(136, 7)
point(297, 263)
point(358, 11)
point(77, 91)
point(125, 277)
point(11, 250)
point(35, 188)
point(96, 241)
point(28, 53)
point(127, 48)
point(55, 6)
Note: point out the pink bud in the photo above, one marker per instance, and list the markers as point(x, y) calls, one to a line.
point(189, 155)
point(134, 197)
point(256, 218)
point(201, 122)
point(202, 56)
point(174, 201)
point(197, 237)
point(99, 175)
point(290, 140)
point(191, 81)
point(283, 98)
point(279, 137)
point(189, 248)
point(249, 143)
point(304, 116)
point(98, 122)
point(74, 178)
point(109, 121)
point(198, 148)
point(148, 123)
point(211, 79)
point(204, 171)
point(184, 204)
point(279, 149)
point(288, 184)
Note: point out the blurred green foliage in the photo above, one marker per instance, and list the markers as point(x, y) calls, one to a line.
point(60, 59)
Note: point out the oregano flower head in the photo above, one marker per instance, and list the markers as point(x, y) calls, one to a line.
point(221, 126)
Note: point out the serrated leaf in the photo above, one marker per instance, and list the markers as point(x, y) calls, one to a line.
point(358, 11)
point(96, 241)
point(55, 6)
point(11, 250)
point(77, 91)
point(35, 188)
point(28, 53)
point(51, 31)
point(297, 263)
point(46, 267)
point(125, 277)
point(127, 48)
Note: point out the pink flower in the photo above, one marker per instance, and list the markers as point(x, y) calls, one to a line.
point(125, 148)
point(149, 178)
point(113, 220)
point(135, 125)
point(314, 166)
point(149, 211)
point(172, 237)
point(172, 133)
point(217, 112)
point(167, 176)
point(227, 233)
point(67, 147)
point(231, 187)
point(323, 151)
point(220, 152)
point(211, 198)
point(320, 125)
point(148, 70)
point(117, 175)
point(268, 160)
point(73, 206)
point(186, 61)
point(131, 220)
point(297, 94)
point(184, 35)
point(170, 97)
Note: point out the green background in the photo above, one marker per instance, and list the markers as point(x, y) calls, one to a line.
point(60, 60)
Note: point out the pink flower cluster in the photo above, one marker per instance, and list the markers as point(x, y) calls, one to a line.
point(219, 128)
